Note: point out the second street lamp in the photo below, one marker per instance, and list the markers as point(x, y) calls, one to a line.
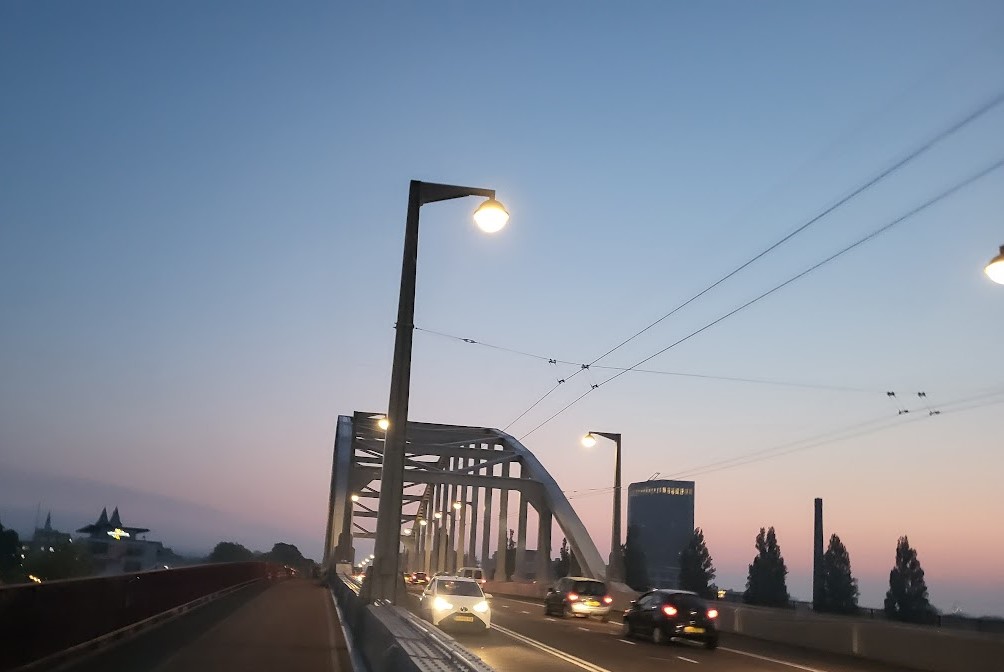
point(615, 567)
point(995, 269)
point(491, 216)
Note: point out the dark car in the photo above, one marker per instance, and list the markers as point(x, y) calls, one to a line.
point(578, 596)
point(672, 614)
point(418, 578)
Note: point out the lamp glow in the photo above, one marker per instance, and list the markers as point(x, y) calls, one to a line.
point(995, 269)
point(354, 497)
point(383, 423)
point(589, 440)
point(407, 533)
point(437, 515)
point(491, 216)
point(423, 523)
point(457, 505)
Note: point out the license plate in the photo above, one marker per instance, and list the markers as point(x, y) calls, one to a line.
point(592, 603)
point(470, 619)
point(691, 630)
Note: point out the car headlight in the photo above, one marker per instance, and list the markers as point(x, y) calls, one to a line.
point(481, 607)
point(441, 604)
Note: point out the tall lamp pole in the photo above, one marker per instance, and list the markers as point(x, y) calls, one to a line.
point(615, 566)
point(491, 216)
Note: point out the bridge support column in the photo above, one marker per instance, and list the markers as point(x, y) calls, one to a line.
point(462, 533)
point(521, 535)
point(486, 532)
point(543, 545)
point(503, 530)
point(451, 555)
point(472, 544)
point(441, 526)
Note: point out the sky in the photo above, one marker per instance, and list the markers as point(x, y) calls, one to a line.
point(201, 231)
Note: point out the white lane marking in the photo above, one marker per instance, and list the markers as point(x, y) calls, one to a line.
point(628, 641)
point(568, 658)
point(772, 660)
point(523, 611)
point(584, 629)
point(549, 619)
point(532, 604)
point(689, 660)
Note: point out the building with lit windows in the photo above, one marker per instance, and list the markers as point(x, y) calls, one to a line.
point(118, 549)
point(660, 523)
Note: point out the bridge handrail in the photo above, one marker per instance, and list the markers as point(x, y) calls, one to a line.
point(392, 639)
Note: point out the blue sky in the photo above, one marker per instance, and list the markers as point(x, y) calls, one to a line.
point(201, 231)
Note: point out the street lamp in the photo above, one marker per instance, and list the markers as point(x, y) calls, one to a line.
point(995, 269)
point(491, 216)
point(354, 497)
point(614, 567)
point(383, 423)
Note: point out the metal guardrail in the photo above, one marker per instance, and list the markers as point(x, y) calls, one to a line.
point(392, 639)
point(39, 620)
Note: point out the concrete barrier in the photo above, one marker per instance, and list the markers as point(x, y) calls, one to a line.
point(919, 647)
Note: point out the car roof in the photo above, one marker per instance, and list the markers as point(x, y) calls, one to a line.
point(465, 579)
point(583, 578)
point(674, 591)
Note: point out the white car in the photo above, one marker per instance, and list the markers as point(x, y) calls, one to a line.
point(456, 602)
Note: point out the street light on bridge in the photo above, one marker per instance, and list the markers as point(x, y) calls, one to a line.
point(615, 566)
point(995, 269)
point(490, 217)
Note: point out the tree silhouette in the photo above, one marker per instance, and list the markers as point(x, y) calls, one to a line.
point(840, 589)
point(907, 598)
point(635, 573)
point(66, 560)
point(10, 557)
point(510, 556)
point(561, 564)
point(286, 554)
point(766, 585)
point(697, 570)
point(228, 551)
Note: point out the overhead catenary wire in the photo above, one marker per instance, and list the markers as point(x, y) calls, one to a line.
point(923, 148)
point(856, 430)
point(683, 374)
point(882, 229)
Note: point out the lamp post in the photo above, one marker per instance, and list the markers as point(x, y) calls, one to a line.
point(995, 269)
point(490, 216)
point(615, 566)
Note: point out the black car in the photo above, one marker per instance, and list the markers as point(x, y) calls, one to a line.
point(672, 614)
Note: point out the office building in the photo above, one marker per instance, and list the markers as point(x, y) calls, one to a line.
point(660, 523)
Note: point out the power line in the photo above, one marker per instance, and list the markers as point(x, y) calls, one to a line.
point(882, 229)
point(842, 434)
point(736, 379)
point(981, 110)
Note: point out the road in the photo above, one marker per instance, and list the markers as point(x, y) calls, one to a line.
point(522, 639)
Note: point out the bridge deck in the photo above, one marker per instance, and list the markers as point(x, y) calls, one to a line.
point(290, 626)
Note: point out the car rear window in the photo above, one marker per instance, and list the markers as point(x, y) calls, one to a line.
point(590, 588)
point(687, 602)
point(462, 588)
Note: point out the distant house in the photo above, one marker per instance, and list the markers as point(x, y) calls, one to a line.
point(46, 538)
point(118, 549)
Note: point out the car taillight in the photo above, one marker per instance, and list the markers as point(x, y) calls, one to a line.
point(669, 610)
point(712, 613)
point(572, 597)
point(607, 599)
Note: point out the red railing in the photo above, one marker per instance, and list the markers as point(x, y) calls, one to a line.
point(37, 620)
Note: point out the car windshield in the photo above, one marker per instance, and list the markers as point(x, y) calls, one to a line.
point(590, 588)
point(462, 588)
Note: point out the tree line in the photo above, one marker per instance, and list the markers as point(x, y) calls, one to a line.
point(766, 583)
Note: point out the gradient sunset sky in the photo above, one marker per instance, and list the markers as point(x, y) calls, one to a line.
point(200, 245)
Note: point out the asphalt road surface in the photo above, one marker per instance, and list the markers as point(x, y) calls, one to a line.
point(522, 639)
